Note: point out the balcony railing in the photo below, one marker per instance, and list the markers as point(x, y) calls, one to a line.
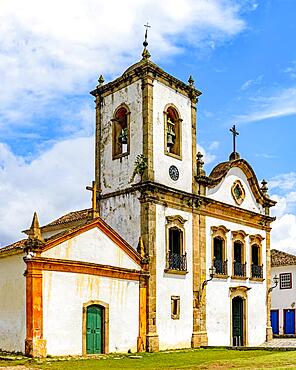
point(177, 262)
point(220, 266)
point(239, 269)
point(257, 271)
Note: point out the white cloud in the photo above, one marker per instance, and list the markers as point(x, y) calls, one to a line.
point(281, 104)
point(285, 181)
point(283, 190)
point(291, 70)
point(54, 47)
point(256, 81)
point(283, 234)
point(208, 157)
point(51, 184)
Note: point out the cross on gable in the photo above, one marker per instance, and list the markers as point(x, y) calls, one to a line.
point(235, 134)
point(93, 189)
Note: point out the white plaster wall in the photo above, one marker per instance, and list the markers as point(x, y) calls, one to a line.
point(218, 293)
point(116, 174)
point(12, 303)
point(163, 95)
point(122, 213)
point(222, 191)
point(173, 333)
point(283, 298)
point(63, 297)
point(92, 246)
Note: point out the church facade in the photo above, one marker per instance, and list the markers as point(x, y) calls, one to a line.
point(168, 257)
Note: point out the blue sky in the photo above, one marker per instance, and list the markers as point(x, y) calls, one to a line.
point(240, 53)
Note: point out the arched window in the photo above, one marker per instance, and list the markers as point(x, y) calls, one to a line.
point(175, 240)
point(239, 255)
point(172, 137)
point(218, 255)
point(256, 256)
point(120, 128)
point(219, 249)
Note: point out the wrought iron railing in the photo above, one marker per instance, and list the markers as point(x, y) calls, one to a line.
point(177, 262)
point(220, 266)
point(239, 269)
point(257, 271)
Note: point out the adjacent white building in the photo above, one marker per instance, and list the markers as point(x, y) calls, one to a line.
point(168, 257)
point(283, 297)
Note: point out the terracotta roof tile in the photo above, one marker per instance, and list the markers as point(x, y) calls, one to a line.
point(280, 258)
point(68, 231)
point(220, 170)
point(70, 217)
point(19, 245)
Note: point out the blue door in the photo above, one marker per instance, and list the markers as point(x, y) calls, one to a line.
point(274, 317)
point(289, 321)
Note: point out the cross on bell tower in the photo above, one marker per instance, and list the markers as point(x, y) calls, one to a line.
point(146, 54)
point(234, 155)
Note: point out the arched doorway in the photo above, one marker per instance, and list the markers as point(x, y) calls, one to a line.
point(238, 321)
point(94, 329)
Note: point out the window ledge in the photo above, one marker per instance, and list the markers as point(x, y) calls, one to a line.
point(176, 272)
point(173, 155)
point(244, 278)
point(221, 276)
point(256, 279)
point(117, 156)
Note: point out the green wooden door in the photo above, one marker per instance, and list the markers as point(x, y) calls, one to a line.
point(237, 322)
point(94, 329)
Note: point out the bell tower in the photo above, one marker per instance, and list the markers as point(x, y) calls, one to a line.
point(145, 132)
point(145, 154)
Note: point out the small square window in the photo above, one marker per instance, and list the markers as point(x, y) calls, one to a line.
point(286, 281)
point(175, 307)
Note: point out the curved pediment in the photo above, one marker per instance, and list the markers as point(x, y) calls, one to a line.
point(241, 180)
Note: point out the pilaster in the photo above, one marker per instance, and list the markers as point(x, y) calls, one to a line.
point(98, 144)
point(147, 111)
point(35, 345)
point(199, 334)
point(148, 231)
point(141, 340)
point(269, 334)
point(193, 130)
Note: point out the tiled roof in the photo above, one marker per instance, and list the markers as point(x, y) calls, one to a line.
point(68, 231)
point(19, 245)
point(220, 170)
point(70, 217)
point(280, 258)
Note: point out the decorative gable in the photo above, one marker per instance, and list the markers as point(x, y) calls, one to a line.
point(235, 183)
point(95, 244)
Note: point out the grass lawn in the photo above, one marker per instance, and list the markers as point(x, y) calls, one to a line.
point(214, 359)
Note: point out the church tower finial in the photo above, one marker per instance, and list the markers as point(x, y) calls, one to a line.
point(146, 54)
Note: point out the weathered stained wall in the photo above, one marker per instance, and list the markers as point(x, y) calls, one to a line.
point(222, 191)
point(116, 174)
point(218, 292)
point(63, 297)
point(173, 333)
point(163, 95)
point(92, 246)
point(12, 303)
point(283, 298)
point(122, 213)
